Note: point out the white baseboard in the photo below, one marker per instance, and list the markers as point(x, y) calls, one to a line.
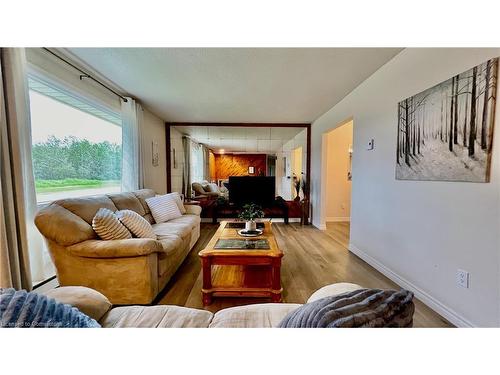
point(337, 218)
point(423, 296)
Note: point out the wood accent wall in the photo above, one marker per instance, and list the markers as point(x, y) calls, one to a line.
point(237, 164)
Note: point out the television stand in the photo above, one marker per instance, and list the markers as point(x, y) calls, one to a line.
point(278, 209)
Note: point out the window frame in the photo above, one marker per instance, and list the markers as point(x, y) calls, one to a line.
point(48, 79)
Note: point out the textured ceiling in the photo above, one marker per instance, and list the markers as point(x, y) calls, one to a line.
point(242, 139)
point(236, 84)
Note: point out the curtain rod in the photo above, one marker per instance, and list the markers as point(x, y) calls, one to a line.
point(85, 74)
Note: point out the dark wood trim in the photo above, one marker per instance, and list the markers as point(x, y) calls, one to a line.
point(307, 126)
point(168, 146)
point(243, 124)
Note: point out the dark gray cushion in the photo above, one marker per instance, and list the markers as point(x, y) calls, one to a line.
point(359, 308)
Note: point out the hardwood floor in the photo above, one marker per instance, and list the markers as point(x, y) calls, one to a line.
point(313, 258)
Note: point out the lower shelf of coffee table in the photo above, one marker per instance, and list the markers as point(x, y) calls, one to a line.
point(235, 277)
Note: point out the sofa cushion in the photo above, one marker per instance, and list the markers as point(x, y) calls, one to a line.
point(108, 227)
point(87, 207)
point(162, 316)
point(163, 208)
point(62, 226)
point(165, 229)
point(127, 201)
point(142, 195)
point(198, 188)
point(191, 220)
point(264, 315)
point(136, 224)
point(333, 290)
point(88, 301)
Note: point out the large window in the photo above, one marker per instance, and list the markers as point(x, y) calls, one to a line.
point(197, 163)
point(76, 144)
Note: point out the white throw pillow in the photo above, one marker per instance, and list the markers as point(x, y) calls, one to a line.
point(178, 201)
point(136, 224)
point(163, 208)
point(213, 188)
point(108, 227)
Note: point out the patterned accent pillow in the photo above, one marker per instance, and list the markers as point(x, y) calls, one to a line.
point(108, 227)
point(163, 208)
point(136, 224)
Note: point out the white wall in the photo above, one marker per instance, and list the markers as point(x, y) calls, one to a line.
point(418, 233)
point(155, 177)
point(338, 186)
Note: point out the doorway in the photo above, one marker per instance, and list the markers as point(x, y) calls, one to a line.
point(337, 178)
point(297, 171)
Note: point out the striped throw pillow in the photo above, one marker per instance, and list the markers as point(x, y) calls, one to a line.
point(108, 227)
point(178, 200)
point(163, 208)
point(136, 224)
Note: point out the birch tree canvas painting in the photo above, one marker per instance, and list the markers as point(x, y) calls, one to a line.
point(445, 133)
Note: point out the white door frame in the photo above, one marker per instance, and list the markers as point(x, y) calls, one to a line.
point(324, 170)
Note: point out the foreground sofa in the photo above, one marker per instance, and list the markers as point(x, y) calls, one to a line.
point(131, 271)
point(265, 315)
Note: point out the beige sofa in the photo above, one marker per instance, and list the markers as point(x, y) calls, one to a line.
point(265, 315)
point(131, 271)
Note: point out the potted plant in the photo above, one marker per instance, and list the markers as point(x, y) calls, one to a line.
point(249, 213)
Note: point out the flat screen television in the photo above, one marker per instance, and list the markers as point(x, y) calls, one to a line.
point(260, 190)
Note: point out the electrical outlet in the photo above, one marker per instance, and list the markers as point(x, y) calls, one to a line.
point(371, 145)
point(463, 278)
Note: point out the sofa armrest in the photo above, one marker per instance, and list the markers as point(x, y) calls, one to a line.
point(116, 248)
point(193, 209)
point(88, 301)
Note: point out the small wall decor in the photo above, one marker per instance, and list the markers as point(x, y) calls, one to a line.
point(251, 170)
point(155, 154)
point(445, 133)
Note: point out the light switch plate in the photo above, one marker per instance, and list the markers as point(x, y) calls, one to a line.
point(463, 278)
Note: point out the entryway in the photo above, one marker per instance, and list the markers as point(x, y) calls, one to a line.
point(336, 179)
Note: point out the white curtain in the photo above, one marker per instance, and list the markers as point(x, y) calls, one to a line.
point(132, 161)
point(197, 162)
point(206, 163)
point(186, 173)
point(24, 259)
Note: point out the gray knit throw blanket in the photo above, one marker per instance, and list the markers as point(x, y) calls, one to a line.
point(360, 308)
point(19, 308)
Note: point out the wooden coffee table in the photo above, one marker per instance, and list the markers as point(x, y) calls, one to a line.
point(241, 271)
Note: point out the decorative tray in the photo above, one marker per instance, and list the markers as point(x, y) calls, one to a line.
point(250, 233)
